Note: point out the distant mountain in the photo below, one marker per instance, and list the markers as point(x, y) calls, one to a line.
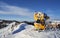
point(27, 22)
point(3, 23)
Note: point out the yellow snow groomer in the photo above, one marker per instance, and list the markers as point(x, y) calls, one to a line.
point(40, 19)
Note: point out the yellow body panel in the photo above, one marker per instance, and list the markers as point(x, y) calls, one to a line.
point(39, 26)
point(41, 18)
point(37, 16)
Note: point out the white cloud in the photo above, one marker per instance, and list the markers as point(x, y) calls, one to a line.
point(8, 9)
point(15, 10)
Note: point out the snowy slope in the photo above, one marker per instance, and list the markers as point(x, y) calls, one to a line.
point(4, 32)
point(30, 33)
point(26, 31)
point(34, 34)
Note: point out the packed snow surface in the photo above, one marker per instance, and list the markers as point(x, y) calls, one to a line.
point(27, 31)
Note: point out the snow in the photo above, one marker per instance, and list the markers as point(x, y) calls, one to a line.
point(30, 33)
point(21, 27)
point(27, 31)
point(4, 32)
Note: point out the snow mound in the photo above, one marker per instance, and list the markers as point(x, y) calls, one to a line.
point(30, 33)
point(27, 31)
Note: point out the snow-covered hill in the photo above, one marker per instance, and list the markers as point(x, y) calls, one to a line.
point(27, 31)
point(30, 33)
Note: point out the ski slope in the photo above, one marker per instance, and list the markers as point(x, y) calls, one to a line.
point(27, 31)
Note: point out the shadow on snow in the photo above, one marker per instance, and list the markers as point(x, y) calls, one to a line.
point(22, 27)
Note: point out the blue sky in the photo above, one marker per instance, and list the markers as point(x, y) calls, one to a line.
point(24, 9)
